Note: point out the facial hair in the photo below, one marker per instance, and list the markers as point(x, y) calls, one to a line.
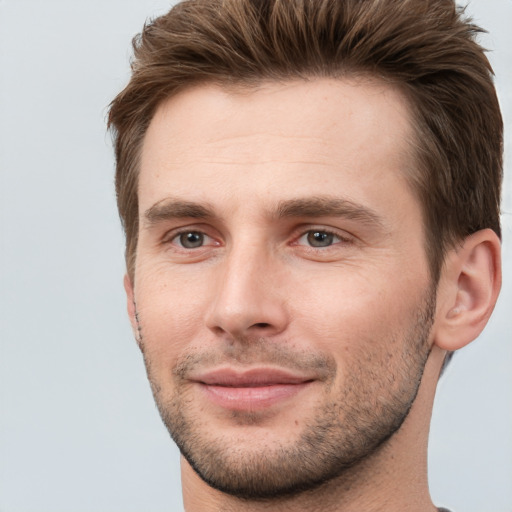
point(381, 381)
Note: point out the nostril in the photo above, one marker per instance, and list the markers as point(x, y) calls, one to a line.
point(218, 330)
point(261, 325)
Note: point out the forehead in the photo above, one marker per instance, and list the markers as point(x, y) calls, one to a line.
point(278, 139)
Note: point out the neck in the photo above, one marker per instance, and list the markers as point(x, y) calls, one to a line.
point(393, 478)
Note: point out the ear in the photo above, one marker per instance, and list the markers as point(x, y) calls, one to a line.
point(130, 305)
point(468, 289)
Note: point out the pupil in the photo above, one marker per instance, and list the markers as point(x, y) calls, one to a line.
point(191, 240)
point(320, 239)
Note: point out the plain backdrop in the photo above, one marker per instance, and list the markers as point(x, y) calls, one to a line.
point(78, 428)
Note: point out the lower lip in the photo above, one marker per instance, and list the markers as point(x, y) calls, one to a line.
point(247, 398)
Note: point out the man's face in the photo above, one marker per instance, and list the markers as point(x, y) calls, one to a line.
point(281, 286)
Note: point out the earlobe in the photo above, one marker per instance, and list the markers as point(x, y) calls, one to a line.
point(468, 289)
point(130, 304)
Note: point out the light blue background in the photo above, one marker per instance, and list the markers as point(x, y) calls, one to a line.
point(78, 428)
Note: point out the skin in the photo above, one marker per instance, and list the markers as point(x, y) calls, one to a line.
point(230, 277)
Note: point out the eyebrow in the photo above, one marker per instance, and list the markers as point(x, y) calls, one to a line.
point(170, 208)
point(317, 206)
point(325, 206)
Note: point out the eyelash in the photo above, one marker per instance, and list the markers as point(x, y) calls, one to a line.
point(329, 232)
point(171, 237)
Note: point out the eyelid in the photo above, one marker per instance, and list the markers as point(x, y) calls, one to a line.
point(210, 233)
point(343, 236)
point(171, 235)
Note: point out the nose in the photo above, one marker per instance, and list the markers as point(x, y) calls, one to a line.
point(248, 297)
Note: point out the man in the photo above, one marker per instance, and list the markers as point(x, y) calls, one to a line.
point(310, 194)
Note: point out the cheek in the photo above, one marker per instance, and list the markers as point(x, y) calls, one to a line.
point(170, 314)
point(347, 311)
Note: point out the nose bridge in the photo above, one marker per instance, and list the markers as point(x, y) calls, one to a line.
point(247, 299)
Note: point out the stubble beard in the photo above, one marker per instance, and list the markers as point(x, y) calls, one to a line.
point(377, 393)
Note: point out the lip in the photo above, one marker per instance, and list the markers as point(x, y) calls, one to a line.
point(254, 389)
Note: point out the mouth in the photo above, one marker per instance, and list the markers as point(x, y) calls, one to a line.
point(254, 389)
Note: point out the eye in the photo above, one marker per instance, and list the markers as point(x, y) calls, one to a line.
point(190, 239)
point(319, 238)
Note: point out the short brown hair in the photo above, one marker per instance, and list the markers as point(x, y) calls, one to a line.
point(427, 47)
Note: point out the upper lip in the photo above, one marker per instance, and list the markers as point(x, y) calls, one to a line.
point(253, 377)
